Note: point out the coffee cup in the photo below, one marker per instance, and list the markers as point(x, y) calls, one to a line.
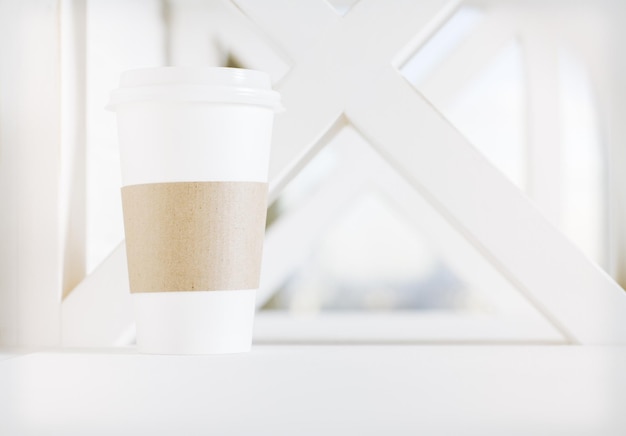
point(194, 151)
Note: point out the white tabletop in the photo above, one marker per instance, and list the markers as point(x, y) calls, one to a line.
point(314, 390)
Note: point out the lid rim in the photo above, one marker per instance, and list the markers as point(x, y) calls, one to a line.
point(197, 84)
point(199, 75)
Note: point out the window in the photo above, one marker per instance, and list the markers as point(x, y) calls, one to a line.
point(533, 97)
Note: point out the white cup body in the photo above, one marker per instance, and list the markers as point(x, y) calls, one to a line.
point(193, 142)
point(173, 136)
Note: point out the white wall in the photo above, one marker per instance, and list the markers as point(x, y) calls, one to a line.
point(29, 172)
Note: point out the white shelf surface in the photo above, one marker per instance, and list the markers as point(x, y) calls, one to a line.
point(318, 389)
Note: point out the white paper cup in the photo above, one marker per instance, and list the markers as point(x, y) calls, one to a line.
point(191, 129)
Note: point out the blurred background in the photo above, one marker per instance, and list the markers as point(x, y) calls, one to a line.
point(535, 86)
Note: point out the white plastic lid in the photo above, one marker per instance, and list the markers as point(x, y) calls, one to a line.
point(196, 84)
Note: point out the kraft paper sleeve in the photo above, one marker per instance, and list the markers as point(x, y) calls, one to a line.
point(194, 236)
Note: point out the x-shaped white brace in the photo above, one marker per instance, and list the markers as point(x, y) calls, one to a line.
point(343, 68)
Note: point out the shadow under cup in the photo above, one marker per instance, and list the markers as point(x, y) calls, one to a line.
point(194, 146)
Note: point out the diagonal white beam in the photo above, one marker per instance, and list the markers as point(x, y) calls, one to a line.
point(298, 231)
point(99, 310)
point(208, 32)
point(456, 251)
point(314, 110)
point(308, 21)
point(237, 35)
point(583, 302)
point(383, 28)
point(467, 263)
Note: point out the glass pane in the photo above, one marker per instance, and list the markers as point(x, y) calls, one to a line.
point(385, 248)
point(371, 258)
point(584, 156)
point(490, 112)
point(425, 61)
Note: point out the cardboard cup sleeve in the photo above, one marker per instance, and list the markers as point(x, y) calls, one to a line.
point(194, 236)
